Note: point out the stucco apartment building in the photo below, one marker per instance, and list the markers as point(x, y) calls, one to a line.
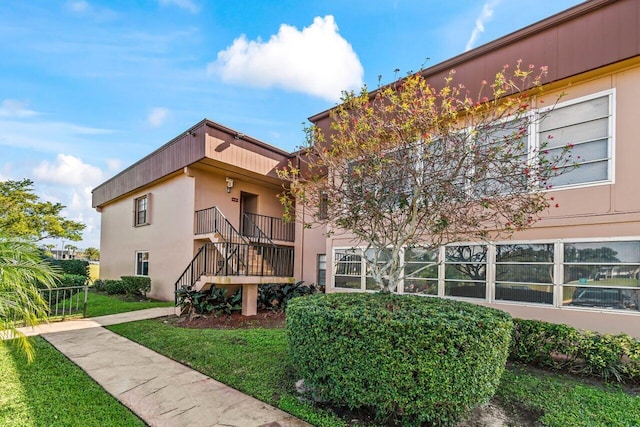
point(203, 208)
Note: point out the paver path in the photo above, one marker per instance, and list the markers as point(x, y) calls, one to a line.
point(159, 390)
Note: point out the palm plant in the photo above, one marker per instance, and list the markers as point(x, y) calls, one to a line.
point(22, 270)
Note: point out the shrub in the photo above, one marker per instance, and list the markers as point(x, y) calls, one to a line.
point(564, 348)
point(98, 285)
point(276, 297)
point(212, 300)
point(420, 360)
point(72, 266)
point(136, 285)
point(72, 280)
point(112, 287)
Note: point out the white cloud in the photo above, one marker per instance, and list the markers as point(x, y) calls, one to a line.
point(78, 6)
point(113, 165)
point(15, 108)
point(484, 17)
point(316, 60)
point(157, 116)
point(68, 170)
point(69, 180)
point(182, 4)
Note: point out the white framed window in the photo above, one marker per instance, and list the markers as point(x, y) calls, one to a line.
point(601, 274)
point(141, 210)
point(524, 272)
point(466, 271)
point(322, 270)
point(587, 123)
point(505, 150)
point(142, 263)
point(420, 271)
point(347, 269)
point(581, 274)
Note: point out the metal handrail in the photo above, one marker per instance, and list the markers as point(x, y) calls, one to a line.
point(251, 230)
point(273, 227)
point(234, 259)
point(211, 220)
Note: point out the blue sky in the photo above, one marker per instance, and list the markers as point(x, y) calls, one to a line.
point(89, 87)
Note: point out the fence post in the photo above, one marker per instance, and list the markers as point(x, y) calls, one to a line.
point(84, 307)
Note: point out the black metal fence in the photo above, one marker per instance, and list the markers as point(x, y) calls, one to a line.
point(66, 301)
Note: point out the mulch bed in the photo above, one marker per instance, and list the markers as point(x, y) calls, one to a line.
point(266, 319)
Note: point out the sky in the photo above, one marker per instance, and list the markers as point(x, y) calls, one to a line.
point(89, 87)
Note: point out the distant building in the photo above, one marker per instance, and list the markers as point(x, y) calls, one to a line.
point(62, 253)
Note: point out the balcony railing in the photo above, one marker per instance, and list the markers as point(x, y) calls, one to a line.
point(274, 228)
point(237, 259)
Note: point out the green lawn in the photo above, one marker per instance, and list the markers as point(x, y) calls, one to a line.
point(99, 304)
point(250, 360)
point(255, 362)
point(94, 272)
point(52, 391)
point(565, 401)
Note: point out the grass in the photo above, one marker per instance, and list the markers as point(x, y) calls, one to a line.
point(99, 304)
point(254, 361)
point(94, 272)
point(52, 391)
point(566, 401)
point(250, 360)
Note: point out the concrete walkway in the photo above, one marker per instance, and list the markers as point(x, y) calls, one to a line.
point(159, 390)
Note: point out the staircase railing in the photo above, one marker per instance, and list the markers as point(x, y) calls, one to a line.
point(234, 259)
point(272, 227)
point(235, 255)
point(194, 270)
point(211, 220)
point(254, 233)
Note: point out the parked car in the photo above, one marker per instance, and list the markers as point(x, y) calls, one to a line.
point(604, 297)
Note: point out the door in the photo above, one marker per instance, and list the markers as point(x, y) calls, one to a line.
point(249, 204)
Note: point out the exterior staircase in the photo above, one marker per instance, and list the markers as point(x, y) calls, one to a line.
point(229, 258)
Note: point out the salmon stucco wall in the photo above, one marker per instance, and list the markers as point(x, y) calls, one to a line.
point(168, 238)
point(310, 242)
point(211, 186)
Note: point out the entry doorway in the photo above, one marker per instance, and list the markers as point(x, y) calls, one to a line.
point(248, 203)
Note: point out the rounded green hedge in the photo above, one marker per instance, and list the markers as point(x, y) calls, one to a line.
point(415, 359)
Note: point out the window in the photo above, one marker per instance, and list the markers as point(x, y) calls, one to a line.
point(421, 271)
point(322, 270)
point(602, 275)
point(502, 149)
point(588, 125)
point(391, 185)
point(524, 272)
point(596, 274)
point(348, 269)
point(323, 207)
point(466, 271)
point(384, 256)
point(141, 210)
point(142, 263)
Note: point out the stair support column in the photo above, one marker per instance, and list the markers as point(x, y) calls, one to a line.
point(249, 299)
